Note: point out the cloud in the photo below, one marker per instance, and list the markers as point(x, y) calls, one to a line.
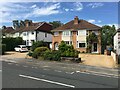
point(48, 10)
point(78, 6)
point(95, 5)
point(91, 21)
point(34, 6)
point(94, 21)
point(21, 11)
point(66, 9)
point(116, 25)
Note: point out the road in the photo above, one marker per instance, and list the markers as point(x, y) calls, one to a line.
point(16, 75)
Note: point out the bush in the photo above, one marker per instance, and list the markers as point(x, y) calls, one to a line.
point(67, 50)
point(52, 55)
point(12, 42)
point(30, 53)
point(39, 51)
point(39, 44)
point(2, 49)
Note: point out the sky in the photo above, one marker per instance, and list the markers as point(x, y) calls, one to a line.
point(99, 13)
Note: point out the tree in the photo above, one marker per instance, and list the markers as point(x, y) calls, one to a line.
point(56, 24)
point(90, 40)
point(107, 36)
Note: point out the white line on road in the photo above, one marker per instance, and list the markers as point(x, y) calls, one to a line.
point(57, 71)
point(45, 69)
point(30, 77)
point(98, 74)
point(25, 66)
point(0, 70)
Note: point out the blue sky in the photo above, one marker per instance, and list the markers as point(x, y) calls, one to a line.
point(100, 13)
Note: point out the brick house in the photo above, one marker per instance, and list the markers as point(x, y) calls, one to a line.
point(75, 32)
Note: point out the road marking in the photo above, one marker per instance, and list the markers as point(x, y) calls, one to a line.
point(72, 73)
point(0, 70)
point(46, 66)
point(97, 74)
point(45, 69)
point(25, 66)
point(10, 63)
point(57, 71)
point(58, 83)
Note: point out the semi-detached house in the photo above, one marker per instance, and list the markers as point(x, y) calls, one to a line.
point(75, 32)
point(32, 32)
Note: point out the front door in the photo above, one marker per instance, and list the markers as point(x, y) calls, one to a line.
point(95, 47)
point(56, 46)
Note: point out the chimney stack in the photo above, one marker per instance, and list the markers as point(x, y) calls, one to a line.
point(76, 19)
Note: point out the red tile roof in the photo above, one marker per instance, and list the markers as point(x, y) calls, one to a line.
point(34, 26)
point(82, 24)
point(7, 30)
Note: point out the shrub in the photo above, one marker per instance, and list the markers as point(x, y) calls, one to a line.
point(30, 53)
point(67, 50)
point(39, 44)
point(39, 51)
point(12, 42)
point(2, 49)
point(52, 55)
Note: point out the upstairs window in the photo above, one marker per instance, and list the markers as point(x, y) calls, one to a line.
point(56, 33)
point(45, 34)
point(66, 33)
point(81, 33)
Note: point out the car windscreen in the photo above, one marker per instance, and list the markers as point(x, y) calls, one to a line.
point(24, 47)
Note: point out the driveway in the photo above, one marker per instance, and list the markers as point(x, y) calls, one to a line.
point(98, 60)
point(87, 59)
point(13, 55)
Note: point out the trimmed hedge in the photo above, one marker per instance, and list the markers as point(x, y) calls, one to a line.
point(2, 49)
point(12, 42)
point(39, 51)
point(39, 44)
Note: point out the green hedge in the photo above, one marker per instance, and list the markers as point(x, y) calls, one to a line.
point(2, 49)
point(39, 44)
point(12, 42)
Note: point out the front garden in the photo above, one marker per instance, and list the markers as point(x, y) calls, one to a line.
point(65, 52)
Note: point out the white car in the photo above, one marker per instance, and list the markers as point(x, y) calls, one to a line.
point(21, 48)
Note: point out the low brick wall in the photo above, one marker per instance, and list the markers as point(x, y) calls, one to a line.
point(114, 56)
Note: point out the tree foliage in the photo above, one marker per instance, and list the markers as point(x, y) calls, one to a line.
point(107, 36)
point(56, 24)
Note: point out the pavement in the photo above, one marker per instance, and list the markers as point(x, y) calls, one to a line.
point(18, 75)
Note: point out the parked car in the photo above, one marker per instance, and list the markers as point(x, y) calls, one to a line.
point(21, 48)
